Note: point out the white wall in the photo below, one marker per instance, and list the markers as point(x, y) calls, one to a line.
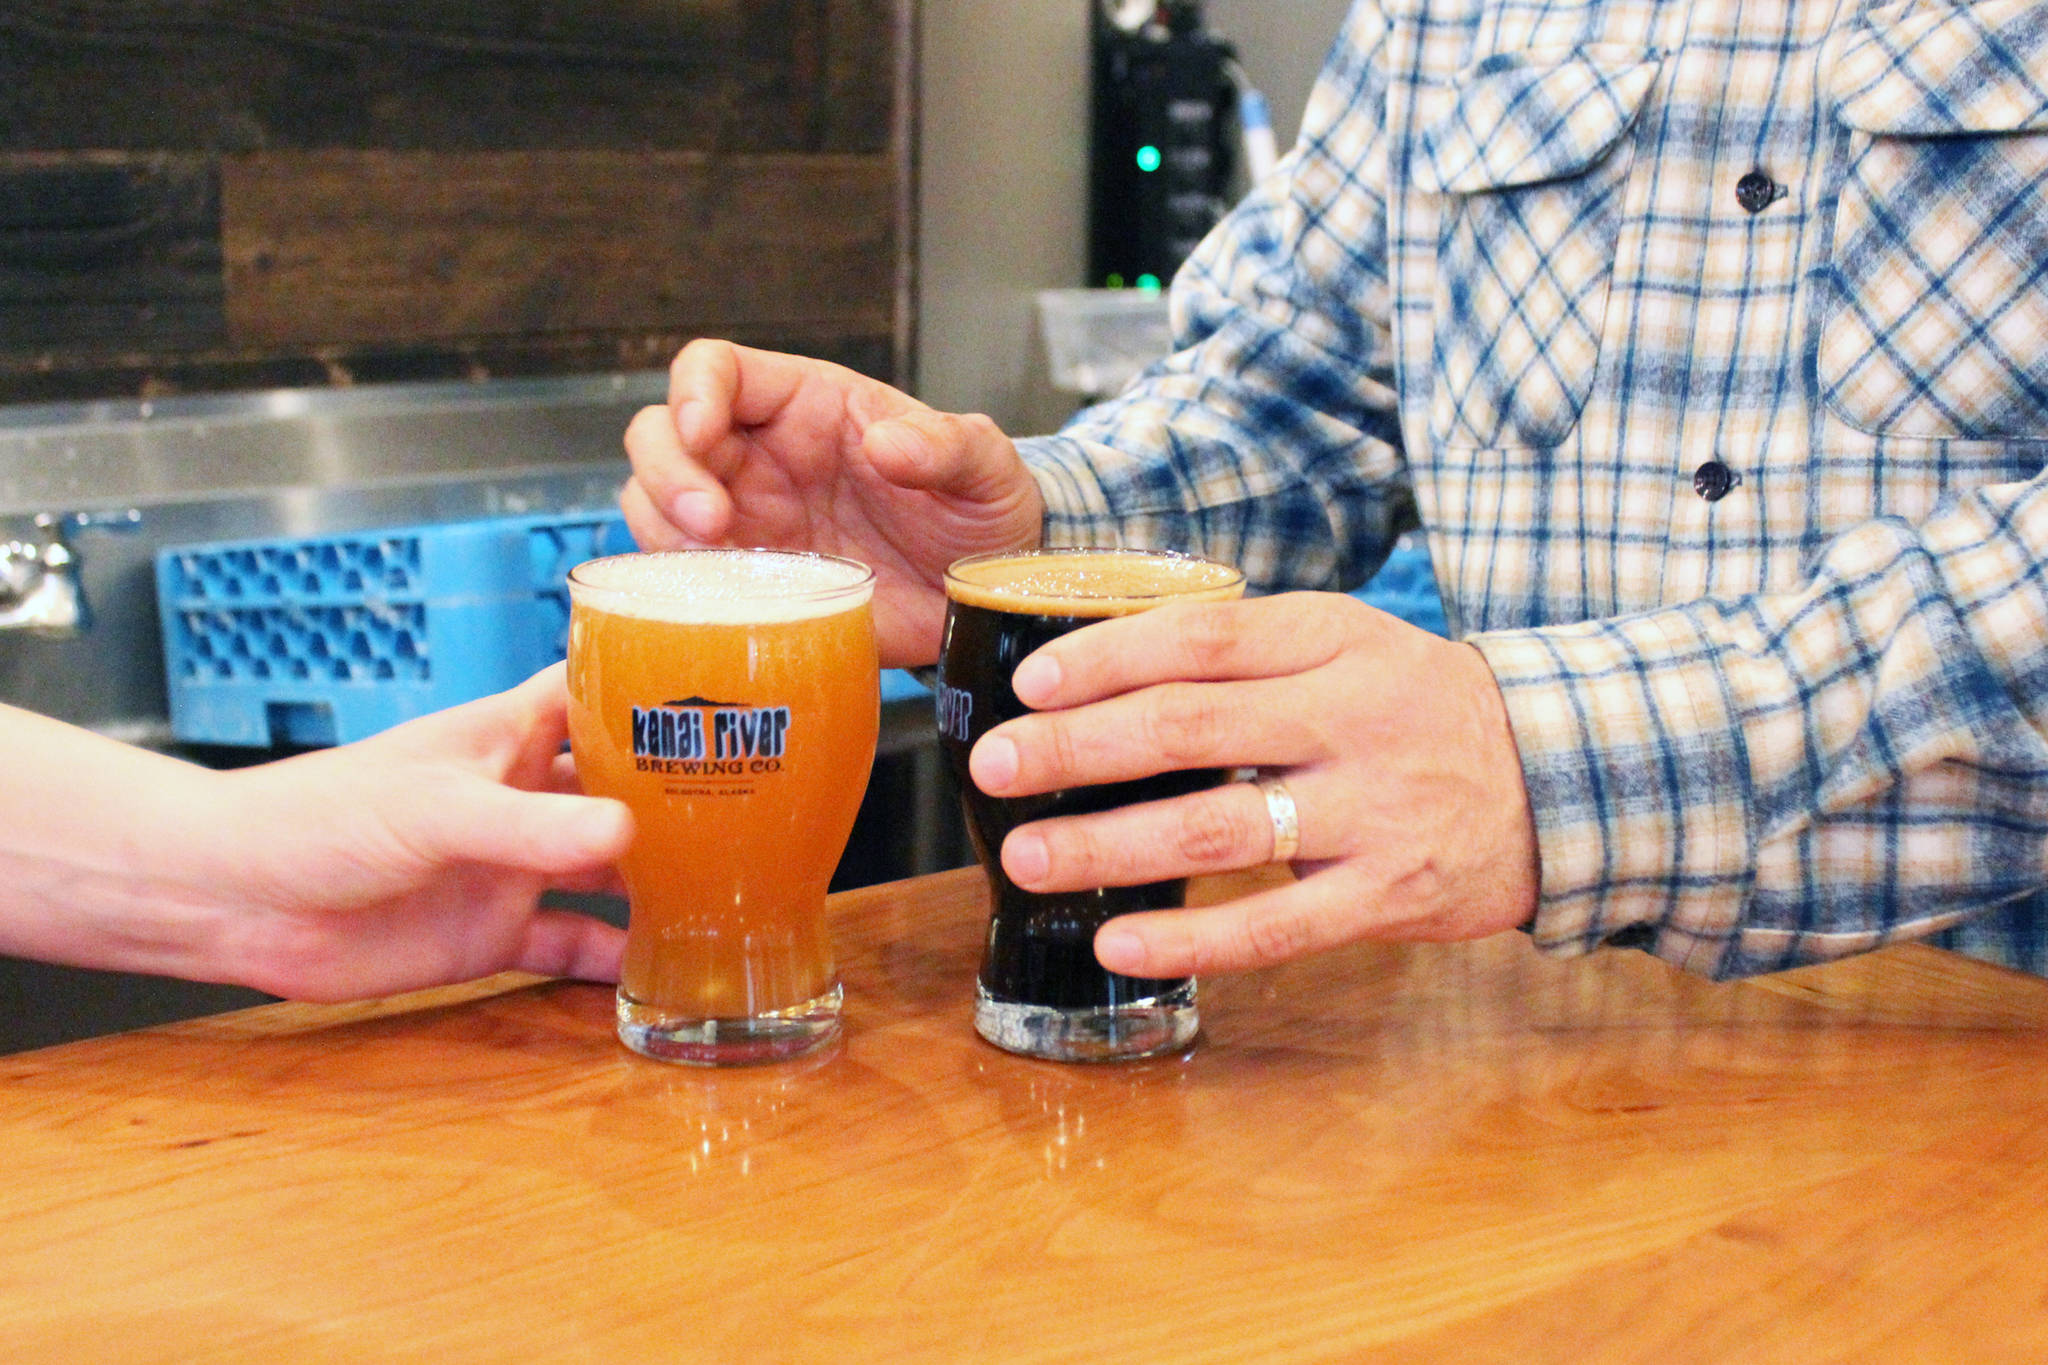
point(1282, 44)
point(1004, 178)
point(1003, 181)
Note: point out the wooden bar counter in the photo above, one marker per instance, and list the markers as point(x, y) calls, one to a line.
point(1392, 1153)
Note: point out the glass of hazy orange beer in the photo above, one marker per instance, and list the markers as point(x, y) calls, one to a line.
point(731, 698)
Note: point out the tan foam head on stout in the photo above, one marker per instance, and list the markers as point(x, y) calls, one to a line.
point(1089, 582)
point(722, 587)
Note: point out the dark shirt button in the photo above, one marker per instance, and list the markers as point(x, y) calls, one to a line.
point(1712, 480)
point(1755, 192)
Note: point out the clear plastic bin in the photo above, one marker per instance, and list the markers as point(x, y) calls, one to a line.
point(1098, 340)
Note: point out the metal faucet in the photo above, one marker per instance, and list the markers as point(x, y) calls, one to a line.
point(39, 584)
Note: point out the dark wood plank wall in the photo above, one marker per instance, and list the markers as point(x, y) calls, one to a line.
point(200, 194)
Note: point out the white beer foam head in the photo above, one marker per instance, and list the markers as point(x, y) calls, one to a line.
point(722, 587)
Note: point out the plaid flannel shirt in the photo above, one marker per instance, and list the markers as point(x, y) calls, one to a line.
point(1737, 489)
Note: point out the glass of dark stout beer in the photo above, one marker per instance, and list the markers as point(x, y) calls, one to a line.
point(1041, 991)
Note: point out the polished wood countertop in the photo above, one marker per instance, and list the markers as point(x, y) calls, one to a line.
point(1392, 1153)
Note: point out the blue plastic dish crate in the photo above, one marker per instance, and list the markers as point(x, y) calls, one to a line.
point(328, 639)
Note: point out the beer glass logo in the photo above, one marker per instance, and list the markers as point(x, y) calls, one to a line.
point(956, 712)
point(696, 736)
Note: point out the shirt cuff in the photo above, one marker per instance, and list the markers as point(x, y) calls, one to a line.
point(1638, 781)
point(1077, 506)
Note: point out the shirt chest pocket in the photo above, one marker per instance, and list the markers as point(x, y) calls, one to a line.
point(1531, 159)
point(1937, 311)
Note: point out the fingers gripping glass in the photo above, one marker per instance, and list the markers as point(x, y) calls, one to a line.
point(1041, 991)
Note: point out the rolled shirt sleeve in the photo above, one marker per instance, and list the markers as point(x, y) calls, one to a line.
point(1752, 785)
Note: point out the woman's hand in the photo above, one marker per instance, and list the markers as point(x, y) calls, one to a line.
point(1394, 744)
point(418, 856)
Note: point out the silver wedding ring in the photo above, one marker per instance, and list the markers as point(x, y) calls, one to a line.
point(1286, 820)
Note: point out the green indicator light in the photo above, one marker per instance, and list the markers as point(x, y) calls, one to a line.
point(1148, 158)
point(1115, 281)
point(1148, 284)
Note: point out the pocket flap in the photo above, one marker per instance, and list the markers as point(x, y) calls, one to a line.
point(1522, 117)
point(1953, 69)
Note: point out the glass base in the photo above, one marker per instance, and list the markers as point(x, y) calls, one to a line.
point(1112, 1033)
point(747, 1041)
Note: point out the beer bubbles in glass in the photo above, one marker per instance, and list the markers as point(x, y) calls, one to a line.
point(731, 698)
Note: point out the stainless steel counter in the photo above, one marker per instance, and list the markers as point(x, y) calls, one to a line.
point(121, 480)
